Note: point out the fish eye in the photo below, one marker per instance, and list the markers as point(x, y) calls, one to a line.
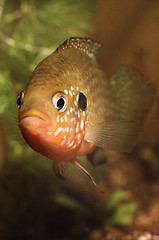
point(20, 99)
point(59, 101)
point(82, 102)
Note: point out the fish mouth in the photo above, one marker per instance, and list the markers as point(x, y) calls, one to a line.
point(31, 116)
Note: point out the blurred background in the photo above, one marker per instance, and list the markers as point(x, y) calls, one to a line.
point(33, 203)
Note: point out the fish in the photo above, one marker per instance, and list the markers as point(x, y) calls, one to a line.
point(70, 108)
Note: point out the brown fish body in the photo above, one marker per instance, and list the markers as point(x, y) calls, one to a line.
point(70, 107)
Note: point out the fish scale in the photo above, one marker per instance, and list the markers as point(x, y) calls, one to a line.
point(70, 108)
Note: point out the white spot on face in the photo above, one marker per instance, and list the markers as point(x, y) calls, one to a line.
point(75, 102)
point(58, 131)
point(57, 119)
point(71, 130)
point(84, 113)
point(82, 124)
point(61, 120)
point(72, 119)
point(71, 144)
point(79, 115)
point(79, 141)
point(64, 141)
point(71, 88)
point(74, 146)
point(66, 129)
point(68, 112)
point(69, 140)
point(78, 136)
point(71, 109)
point(70, 93)
point(65, 118)
point(49, 133)
point(66, 91)
point(77, 88)
point(77, 127)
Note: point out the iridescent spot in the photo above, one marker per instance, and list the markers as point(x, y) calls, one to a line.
point(49, 133)
point(61, 120)
point(79, 141)
point(78, 136)
point(64, 141)
point(66, 129)
point(72, 119)
point(70, 93)
point(71, 144)
point(69, 140)
point(57, 118)
point(58, 131)
point(75, 102)
point(82, 124)
point(65, 118)
point(77, 127)
point(71, 130)
point(79, 115)
point(71, 109)
point(66, 91)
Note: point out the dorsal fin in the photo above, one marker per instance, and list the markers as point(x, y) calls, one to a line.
point(87, 45)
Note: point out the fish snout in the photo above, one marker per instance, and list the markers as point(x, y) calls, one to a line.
point(28, 117)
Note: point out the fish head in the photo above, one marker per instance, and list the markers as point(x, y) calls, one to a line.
point(52, 118)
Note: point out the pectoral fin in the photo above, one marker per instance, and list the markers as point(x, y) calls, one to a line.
point(115, 135)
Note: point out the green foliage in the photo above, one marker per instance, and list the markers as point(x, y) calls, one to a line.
point(7, 96)
point(120, 212)
point(71, 203)
point(124, 214)
point(115, 199)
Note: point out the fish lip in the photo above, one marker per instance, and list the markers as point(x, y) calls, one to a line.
point(33, 113)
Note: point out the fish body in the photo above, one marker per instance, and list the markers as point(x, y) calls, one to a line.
point(70, 107)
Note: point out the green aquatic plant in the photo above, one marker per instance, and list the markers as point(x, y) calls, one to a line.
point(120, 212)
